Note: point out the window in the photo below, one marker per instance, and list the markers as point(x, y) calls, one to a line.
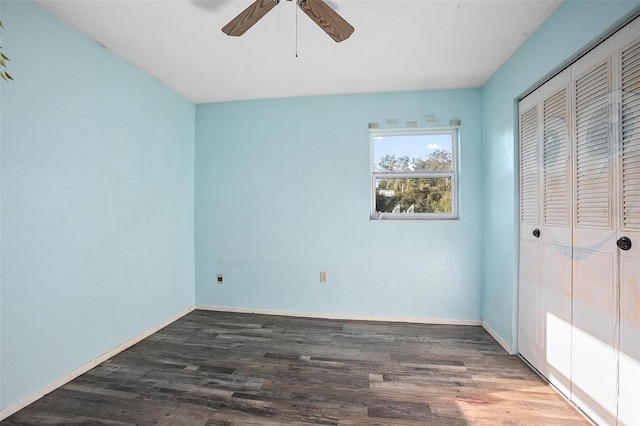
point(413, 174)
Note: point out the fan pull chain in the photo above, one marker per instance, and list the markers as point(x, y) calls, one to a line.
point(296, 31)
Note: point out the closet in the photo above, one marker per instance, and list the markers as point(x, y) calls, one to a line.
point(579, 270)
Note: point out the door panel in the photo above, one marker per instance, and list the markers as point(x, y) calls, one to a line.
point(531, 340)
point(629, 408)
point(594, 360)
point(545, 257)
point(593, 147)
point(555, 238)
point(627, 43)
point(530, 324)
point(556, 279)
point(529, 163)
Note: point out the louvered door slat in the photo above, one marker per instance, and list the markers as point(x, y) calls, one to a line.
point(635, 73)
point(630, 103)
point(631, 64)
point(529, 169)
point(630, 137)
point(555, 156)
point(593, 197)
point(631, 158)
point(592, 169)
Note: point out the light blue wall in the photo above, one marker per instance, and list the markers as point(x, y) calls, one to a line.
point(97, 202)
point(572, 26)
point(282, 193)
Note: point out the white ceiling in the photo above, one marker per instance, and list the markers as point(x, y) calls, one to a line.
point(397, 44)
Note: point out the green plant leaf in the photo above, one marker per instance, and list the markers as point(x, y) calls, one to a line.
point(8, 76)
point(5, 57)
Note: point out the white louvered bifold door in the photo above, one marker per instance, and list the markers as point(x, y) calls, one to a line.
point(593, 363)
point(579, 307)
point(545, 231)
point(627, 43)
point(530, 317)
point(556, 235)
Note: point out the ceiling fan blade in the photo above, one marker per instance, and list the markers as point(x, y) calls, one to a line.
point(327, 19)
point(248, 17)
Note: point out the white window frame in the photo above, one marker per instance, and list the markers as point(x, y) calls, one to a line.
point(424, 174)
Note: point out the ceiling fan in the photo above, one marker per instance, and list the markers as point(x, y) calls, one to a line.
point(319, 12)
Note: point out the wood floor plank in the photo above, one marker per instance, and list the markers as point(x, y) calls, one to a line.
point(217, 368)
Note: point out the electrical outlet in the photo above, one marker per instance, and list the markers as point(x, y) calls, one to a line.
point(323, 276)
point(220, 279)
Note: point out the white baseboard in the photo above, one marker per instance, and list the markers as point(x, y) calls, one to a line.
point(19, 405)
point(497, 338)
point(325, 315)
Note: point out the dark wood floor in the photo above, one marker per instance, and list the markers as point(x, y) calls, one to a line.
point(212, 368)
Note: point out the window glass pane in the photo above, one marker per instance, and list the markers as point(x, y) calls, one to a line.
point(414, 195)
point(413, 152)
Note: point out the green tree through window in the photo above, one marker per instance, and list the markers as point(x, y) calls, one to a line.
point(407, 185)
